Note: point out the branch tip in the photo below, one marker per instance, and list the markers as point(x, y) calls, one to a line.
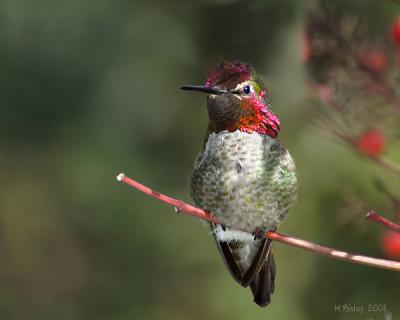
point(373, 216)
point(369, 214)
point(120, 177)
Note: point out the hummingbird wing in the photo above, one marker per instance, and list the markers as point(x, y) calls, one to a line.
point(229, 260)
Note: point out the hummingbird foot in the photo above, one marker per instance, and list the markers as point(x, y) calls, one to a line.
point(259, 233)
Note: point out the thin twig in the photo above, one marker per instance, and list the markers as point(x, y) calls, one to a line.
point(179, 205)
point(292, 241)
point(389, 165)
point(373, 216)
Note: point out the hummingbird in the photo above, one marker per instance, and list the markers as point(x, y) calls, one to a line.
point(243, 175)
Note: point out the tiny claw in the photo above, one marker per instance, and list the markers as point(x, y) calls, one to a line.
point(258, 234)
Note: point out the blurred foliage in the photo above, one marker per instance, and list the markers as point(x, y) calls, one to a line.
point(91, 88)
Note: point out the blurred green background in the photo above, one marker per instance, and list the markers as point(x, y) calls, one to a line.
point(91, 88)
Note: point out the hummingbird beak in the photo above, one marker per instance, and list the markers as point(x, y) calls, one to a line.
point(209, 90)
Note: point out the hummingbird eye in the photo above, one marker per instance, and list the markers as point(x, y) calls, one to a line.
point(246, 89)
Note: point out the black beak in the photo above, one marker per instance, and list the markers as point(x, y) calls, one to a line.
point(209, 90)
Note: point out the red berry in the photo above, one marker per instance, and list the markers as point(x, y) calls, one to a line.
point(391, 244)
point(373, 60)
point(396, 30)
point(372, 142)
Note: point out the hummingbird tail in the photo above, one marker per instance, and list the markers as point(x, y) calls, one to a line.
point(263, 284)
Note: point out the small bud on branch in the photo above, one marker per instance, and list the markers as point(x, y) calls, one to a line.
point(292, 241)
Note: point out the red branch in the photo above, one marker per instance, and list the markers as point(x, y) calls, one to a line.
point(183, 207)
point(372, 215)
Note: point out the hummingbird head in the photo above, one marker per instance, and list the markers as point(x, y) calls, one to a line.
point(237, 100)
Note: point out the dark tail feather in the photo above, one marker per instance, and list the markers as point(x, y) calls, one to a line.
point(263, 284)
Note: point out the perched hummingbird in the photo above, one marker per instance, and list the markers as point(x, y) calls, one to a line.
point(243, 175)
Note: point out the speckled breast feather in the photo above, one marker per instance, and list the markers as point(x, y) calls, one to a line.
point(246, 179)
